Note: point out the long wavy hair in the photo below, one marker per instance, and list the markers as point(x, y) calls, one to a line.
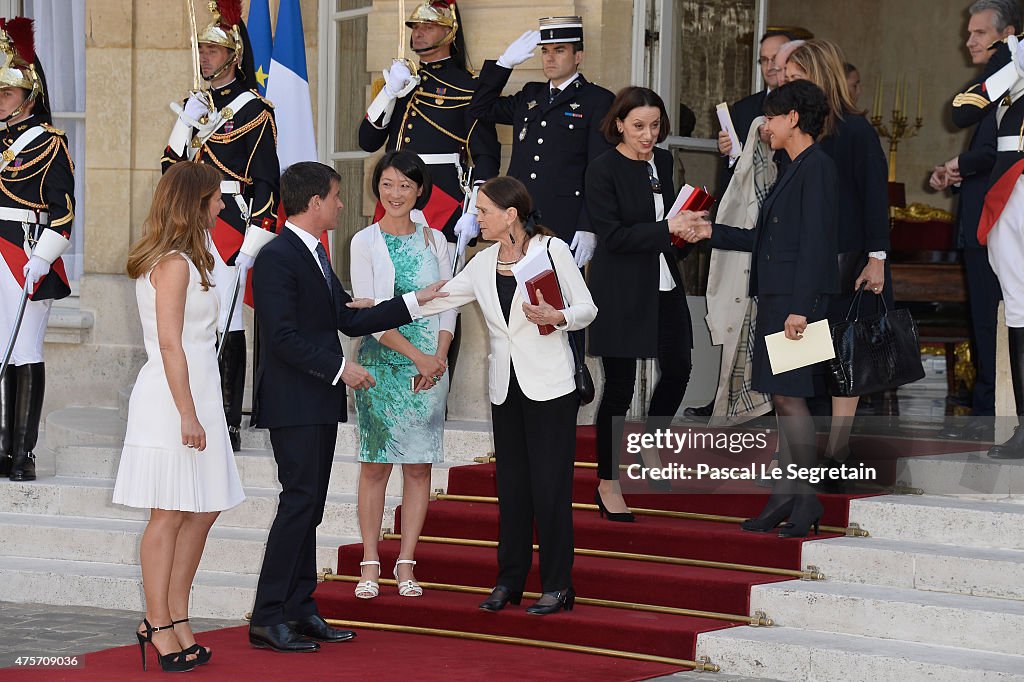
point(178, 221)
point(823, 61)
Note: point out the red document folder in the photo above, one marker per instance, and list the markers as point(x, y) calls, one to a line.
point(690, 199)
point(548, 286)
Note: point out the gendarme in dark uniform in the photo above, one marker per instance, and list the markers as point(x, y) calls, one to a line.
point(37, 208)
point(553, 140)
point(432, 119)
point(238, 137)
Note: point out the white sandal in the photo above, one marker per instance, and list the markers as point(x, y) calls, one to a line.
point(368, 589)
point(407, 588)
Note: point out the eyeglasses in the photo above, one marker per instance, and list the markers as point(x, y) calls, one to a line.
point(655, 182)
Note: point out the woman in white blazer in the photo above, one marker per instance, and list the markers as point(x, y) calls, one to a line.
point(532, 391)
point(401, 418)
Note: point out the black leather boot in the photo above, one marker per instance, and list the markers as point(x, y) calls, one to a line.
point(28, 409)
point(232, 384)
point(7, 420)
point(1014, 448)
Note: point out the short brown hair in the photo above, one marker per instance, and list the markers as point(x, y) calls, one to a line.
point(628, 99)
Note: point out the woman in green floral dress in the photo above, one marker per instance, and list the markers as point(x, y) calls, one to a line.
point(401, 419)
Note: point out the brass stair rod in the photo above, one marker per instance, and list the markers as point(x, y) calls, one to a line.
point(852, 531)
point(809, 574)
point(703, 665)
point(758, 620)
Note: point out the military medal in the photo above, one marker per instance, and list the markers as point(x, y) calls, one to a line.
point(522, 134)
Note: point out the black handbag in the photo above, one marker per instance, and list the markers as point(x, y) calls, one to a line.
point(581, 373)
point(877, 353)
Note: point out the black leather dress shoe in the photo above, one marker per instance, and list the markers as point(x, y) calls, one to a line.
point(280, 637)
point(317, 628)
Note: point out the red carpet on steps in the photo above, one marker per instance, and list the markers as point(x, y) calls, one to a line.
point(373, 655)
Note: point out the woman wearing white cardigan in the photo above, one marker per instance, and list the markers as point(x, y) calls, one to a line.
point(401, 419)
point(532, 391)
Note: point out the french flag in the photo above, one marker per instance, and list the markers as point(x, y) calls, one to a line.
point(288, 89)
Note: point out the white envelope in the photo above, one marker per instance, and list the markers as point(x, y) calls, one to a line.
point(815, 346)
point(725, 121)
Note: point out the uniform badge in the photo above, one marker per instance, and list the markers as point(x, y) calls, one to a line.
point(531, 104)
point(574, 106)
point(8, 155)
point(229, 126)
point(522, 134)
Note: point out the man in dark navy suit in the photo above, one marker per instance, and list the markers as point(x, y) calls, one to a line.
point(968, 174)
point(299, 395)
point(555, 126)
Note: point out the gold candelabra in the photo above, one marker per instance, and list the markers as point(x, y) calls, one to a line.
point(899, 128)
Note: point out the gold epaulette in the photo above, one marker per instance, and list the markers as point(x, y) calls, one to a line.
point(376, 87)
point(261, 97)
point(50, 129)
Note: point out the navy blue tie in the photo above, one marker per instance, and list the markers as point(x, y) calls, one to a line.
point(553, 94)
point(325, 265)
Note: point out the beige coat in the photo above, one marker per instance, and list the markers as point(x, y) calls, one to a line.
point(729, 272)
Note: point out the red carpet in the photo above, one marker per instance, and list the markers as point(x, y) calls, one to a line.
point(373, 655)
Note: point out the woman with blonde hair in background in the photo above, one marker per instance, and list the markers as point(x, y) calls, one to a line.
point(850, 139)
point(177, 459)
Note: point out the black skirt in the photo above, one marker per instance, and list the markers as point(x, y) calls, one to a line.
point(772, 311)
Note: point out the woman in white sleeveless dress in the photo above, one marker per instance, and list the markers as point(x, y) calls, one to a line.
point(177, 459)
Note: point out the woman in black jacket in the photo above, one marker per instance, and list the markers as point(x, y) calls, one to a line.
point(863, 202)
point(793, 273)
point(634, 277)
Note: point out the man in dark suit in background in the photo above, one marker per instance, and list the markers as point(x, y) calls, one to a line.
point(556, 126)
point(968, 174)
point(299, 395)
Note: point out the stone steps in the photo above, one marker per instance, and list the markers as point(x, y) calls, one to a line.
point(795, 655)
point(969, 473)
point(91, 497)
point(895, 613)
point(105, 585)
point(943, 520)
point(116, 541)
point(931, 567)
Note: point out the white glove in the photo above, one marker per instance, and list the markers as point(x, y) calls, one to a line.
point(468, 224)
point(398, 80)
point(244, 263)
point(583, 246)
point(521, 49)
point(196, 107)
point(35, 269)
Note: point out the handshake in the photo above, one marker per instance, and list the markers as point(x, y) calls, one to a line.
point(691, 226)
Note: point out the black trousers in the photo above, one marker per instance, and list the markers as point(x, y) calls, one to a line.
point(620, 382)
point(534, 449)
point(304, 455)
point(985, 294)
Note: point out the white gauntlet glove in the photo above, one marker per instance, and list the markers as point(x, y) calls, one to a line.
point(398, 80)
point(583, 246)
point(35, 269)
point(521, 49)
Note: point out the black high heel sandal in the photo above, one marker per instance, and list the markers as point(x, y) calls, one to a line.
point(500, 596)
point(775, 512)
point(625, 517)
point(562, 600)
point(806, 514)
point(202, 654)
point(174, 662)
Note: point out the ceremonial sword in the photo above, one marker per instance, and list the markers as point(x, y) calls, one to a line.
point(20, 316)
point(234, 296)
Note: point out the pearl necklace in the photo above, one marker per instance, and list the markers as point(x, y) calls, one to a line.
point(507, 265)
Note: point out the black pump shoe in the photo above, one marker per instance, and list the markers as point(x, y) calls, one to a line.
point(807, 511)
point(778, 508)
point(500, 596)
point(553, 602)
point(625, 517)
point(201, 653)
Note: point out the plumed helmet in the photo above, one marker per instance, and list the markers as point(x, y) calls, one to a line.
point(441, 12)
point(21, 68)
point(225, 30)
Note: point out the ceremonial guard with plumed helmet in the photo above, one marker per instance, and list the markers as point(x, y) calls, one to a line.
point(37, 207)
point(232, 127)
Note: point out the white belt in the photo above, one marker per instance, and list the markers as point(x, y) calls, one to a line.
point(230, 187)
point(438, 159)
point(1010, 143)
point(23, 215)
